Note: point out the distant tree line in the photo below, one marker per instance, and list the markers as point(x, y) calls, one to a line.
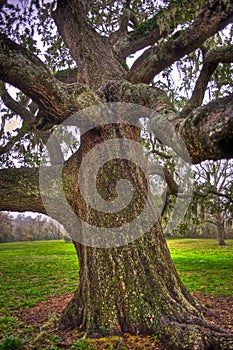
point(26, 228)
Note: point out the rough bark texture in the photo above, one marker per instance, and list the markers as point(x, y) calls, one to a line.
point(134, 288)
point(137, 299)
point(20, 190)
point(207, 131)
point(56, 100)
point(92, 52)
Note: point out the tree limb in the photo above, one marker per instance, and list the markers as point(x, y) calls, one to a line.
point(151, 31)
point(56, 100)
point(223, 54)
point(154, 98)
point(15, 106)
point(3, 123)
point(25, 71)
point(208, 130)
point(91, 51)
point(214, 17)
point(18, 108)
point(200, 88)
point(211, 60)
point(19, 189)
point(162, 171)
point(211, 191)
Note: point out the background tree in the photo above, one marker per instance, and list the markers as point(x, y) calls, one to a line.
point(24, 228)
point(6, 233)
point(214, 179)
point(209, 213)
point(134, 288)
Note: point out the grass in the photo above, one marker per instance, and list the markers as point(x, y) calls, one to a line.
point(34, 271)
point(203, 265)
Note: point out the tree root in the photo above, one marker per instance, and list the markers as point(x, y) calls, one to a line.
point(197, 336)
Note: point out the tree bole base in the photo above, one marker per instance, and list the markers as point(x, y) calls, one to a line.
point(198, 335)
point(135, 289)
point(177, 336)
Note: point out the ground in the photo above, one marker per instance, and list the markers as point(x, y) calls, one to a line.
point(220, 313)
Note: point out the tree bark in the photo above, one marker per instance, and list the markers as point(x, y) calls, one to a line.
point(214, 17)
point(55, 99)
point(91, 51)
point(20, 191)
point(134, 288)
point(220, 230)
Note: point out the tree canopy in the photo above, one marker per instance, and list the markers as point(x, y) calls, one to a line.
point(187, 54)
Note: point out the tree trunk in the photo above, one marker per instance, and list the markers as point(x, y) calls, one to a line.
point(220, 229)
point(133, 288)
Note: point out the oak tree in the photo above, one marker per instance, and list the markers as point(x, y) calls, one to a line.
point(84, 63)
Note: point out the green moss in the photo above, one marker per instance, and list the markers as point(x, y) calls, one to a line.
point(124, 65)
point(63, 73)
point(11, 343)
point(144, 29)
point(83, 344)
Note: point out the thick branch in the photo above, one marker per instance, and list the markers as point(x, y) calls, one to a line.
point(214, 17)
point(31, 123)
point(152, 30)
point(208, 131)
point(212, 58)
point(200, 88)
point(220, 54)
point(154, 98)
point(56, 100)
point(92, 53)
point(19, 188)
point(173, 187)
point(25, 71)
point(15, 106)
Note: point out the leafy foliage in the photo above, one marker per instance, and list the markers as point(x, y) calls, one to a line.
point(30, 23)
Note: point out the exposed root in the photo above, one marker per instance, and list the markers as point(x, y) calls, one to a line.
point(177, 336)
point(203, 323)
point(195, 334)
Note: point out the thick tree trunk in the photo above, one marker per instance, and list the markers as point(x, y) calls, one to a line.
point(133, 288)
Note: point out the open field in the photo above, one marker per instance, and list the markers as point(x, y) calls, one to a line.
point(203, 265)
point(34, 271)
point(31, 272)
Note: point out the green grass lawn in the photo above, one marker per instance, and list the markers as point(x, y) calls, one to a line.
point(203, 265)
point(34, 271)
